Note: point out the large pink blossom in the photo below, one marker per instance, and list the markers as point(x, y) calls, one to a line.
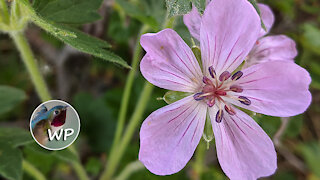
point(269, 48)
point(169, 136)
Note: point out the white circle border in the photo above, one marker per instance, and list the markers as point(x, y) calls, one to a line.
point(55, 149)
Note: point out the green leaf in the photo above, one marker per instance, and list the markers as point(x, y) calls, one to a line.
point(10, 161)
point(68, 11)
point(133, 11)
point(178, 7)
point(311, 154)
point(66, 155)
point(256, 7)
point(200, 5)
point(15, 136)
point(311, 38)
point(10, 97)
point(80, 40)
point(173, 96)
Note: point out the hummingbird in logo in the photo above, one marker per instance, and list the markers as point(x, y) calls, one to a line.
point(46, 119)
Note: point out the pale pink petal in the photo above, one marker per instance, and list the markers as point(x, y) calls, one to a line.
point(245, 151)
point(229, 29)
point(272, 48)
point(170, 135)
point(193, 21)
point(267, 18)
point(275, 88)
point(169, 62)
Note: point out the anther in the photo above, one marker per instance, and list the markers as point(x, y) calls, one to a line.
point(198, 96)
point(206, 80)
point(212, 72)
point(237, 75)
point(219, 116)
point(229, 110)
point(224, 76)
point(211, 102)
point(236, 88)
point(244, 100)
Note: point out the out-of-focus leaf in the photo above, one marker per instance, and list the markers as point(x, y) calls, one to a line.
point(15, 136)
point(178, 7)
point(10, 161)
point(269, 124)
point(68, 11)
point(10, 97)
point(314, 68)
point(294, 126)
point(80, 41)
point(96, 121)
point(66, 155)
point(173, 96)
point(311, 154)
point(93, 166)
point(311, 38)
point(133, 11)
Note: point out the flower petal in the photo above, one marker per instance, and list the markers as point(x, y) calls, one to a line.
point(169, 62)
point(244, 150)
point(229, 29)
point(170, 135)
point(193, 21)
point(267, 18)
point(275, 88)
point(271, 48)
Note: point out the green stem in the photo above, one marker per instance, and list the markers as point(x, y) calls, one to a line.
point(31, 64)
point(32, 171)
point(133, 123)
point(5, 12)
point(130, 169)
point(78, 168)
point(127, 89)
point(198, 165)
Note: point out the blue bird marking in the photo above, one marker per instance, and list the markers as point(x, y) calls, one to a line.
point(55, 116)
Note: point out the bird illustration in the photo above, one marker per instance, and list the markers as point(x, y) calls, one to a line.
point(46, 119)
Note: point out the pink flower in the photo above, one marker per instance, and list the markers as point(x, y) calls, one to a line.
point(169, 136)
point(278, 47)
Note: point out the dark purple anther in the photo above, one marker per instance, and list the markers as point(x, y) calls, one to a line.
point(244, 100)
point(236, 88)
point(230, 111)
point(198, 96)
point(212, 72)
point(237, 75)
point(224, 76)
point(206, 80)
point(211, 102)
point(219, 116)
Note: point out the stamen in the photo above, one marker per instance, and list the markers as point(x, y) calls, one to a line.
point(198, 96)
point(219, 116)
point(206, 80)
point(236, 88)
point(211, 102)
point(229, 110)
point(220, 92)
point(212, 72)
point(224, 76)
point(244, 100)
point(237, 75)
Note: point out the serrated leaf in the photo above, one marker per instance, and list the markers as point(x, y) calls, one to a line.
point(173, 96)
point(178, 7)
point(10, 97)
point(68, 11)
point(15, 136)
point(200, 5)
point(10, 161)
point(80, 40)
point(133, 11)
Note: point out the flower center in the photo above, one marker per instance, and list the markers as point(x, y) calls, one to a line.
point(217, 87)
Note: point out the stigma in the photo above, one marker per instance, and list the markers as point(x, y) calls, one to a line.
point(216, 87)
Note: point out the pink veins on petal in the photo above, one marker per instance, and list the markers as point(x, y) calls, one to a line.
point(169, 136)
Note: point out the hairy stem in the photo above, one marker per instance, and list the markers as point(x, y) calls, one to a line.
point(127, 90)
point(31, 65)
point(116, 156)
point(32, 171)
